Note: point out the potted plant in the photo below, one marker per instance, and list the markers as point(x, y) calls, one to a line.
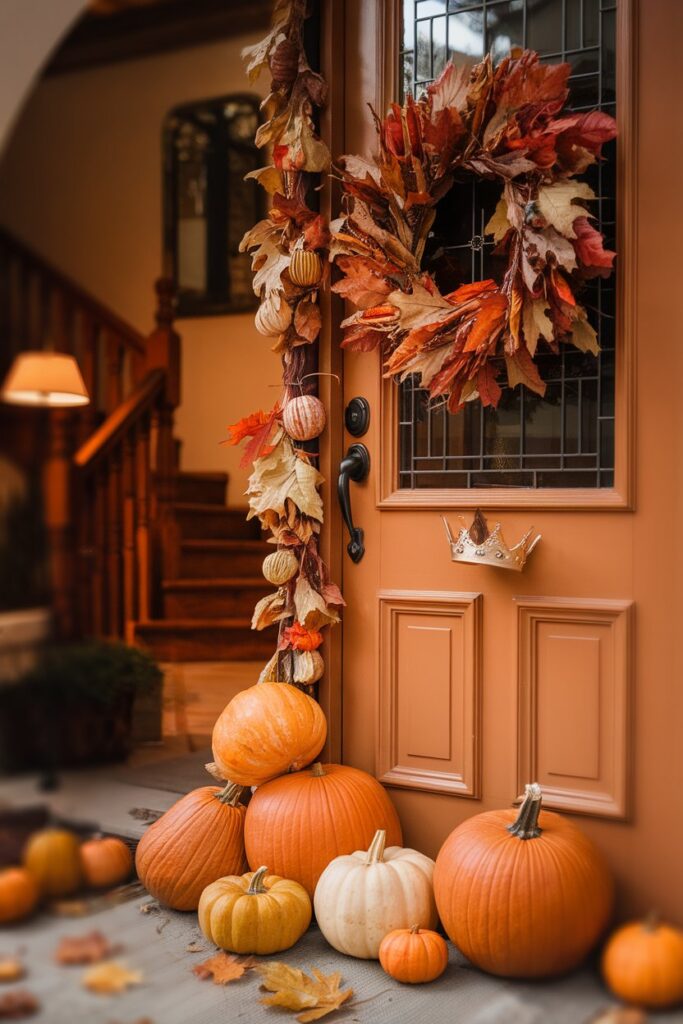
point(74, 707)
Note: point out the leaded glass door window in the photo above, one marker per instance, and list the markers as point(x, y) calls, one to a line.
point(565, 439)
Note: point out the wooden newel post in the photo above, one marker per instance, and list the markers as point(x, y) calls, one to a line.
point(163, 352)
point(57, 513)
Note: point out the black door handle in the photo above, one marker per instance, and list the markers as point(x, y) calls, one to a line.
point(354, 466)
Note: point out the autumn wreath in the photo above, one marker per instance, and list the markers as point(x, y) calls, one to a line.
point(503, 124)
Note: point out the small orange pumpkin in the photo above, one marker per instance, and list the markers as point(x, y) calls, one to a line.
point(199, 839)
point(302, 821)
point(643, 964)
point(523, 896)
point(54, 859)
point(413, 955)
point(304, 417)
point(105, 861)
point(18, 894)
point(266, 730)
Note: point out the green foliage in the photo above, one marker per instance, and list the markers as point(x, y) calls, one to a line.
point(95, 672)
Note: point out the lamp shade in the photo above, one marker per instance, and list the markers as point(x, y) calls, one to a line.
point(48, 379)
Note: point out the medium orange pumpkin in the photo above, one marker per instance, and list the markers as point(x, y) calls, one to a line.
point(266, 730)
point(643, 964)
point(105, 861)
point(300, 822)
point(53, 857)
point(522, 896)
point(18, 894)
point(413, 955)
point(199, 839)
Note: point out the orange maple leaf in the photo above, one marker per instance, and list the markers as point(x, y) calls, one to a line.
point(259, 427)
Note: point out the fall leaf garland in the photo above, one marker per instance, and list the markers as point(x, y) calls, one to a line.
point(289, 260)
point(505, 124)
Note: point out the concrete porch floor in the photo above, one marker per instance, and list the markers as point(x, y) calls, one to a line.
point(156, 943)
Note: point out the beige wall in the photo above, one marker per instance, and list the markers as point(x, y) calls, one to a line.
point(81, 182)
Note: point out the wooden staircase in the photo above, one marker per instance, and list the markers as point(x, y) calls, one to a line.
point(215, 580)
point(139, 550)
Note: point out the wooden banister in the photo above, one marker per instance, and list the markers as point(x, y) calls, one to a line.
point(114, 429)
point(109, 468)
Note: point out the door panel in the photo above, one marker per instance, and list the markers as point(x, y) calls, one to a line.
point(581, 690)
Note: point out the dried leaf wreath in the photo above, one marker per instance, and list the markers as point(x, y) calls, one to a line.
point(289, 250)
point(505, 124)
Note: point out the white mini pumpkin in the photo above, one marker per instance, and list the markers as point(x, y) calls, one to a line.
point(304, 417)
point(362, 897)
point(273, 316)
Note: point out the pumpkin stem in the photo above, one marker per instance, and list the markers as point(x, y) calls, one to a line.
point(651, 922)
point(256, 885)
point(375, 854)
point(415, 929)
point(526, 824)
point(231, 794)
point(317, 771)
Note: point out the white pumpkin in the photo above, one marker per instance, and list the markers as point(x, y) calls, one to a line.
point(362, 897)
point(304, 417)
point(273, 316)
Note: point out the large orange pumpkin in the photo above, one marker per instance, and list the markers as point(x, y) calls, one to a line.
point(18, 894)
point(266, 730)
point(643, 964)
point(300, 822)
point(53, 857)
point(105, 861)
point(522, 896)
point(199, 839)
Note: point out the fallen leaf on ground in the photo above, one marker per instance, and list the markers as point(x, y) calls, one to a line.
point(223, 968)
point(151, 907)
point(18, 1004)
point(294, 990)
point(195, 947)
point(110, 978)
point(70, 908)
point(11, 969)
point(83, 949)
point(619, 1015)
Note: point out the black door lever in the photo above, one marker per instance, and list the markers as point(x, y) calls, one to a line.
point(354, 466)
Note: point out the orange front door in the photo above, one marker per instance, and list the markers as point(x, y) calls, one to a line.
point(462, 682)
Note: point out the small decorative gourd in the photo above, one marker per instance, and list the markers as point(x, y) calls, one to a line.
point(105, 861)
point(413, 955)
point(308, 667)
point(280, 566)
point(199, 839)
point(363, 896)
point(304, 417)
point(506, 882)
point(284, 63)
point(254, 913)
point(265, 730)
point(53, 857)
point(643, 964)
point(272, 319)
point(18, 894)
point(305, 268)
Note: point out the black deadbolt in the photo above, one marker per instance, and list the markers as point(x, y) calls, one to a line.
point(357, 417)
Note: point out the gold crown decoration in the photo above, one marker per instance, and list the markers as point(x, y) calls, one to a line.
point(480, 546)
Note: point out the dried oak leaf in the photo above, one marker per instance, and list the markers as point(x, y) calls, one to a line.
point(195, 947)
point(281, 476)
point(293, 990)
point(361, 283)
point(224, 968)
point(110, 978)
point(269, 609)
point(619, 1015)
point(83, 949)
point(556, 203)
point(18, 1004)
point(312, 609)
point(11, 969)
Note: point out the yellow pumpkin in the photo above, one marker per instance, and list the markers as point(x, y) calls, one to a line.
point(53, 857)
point(254, 913)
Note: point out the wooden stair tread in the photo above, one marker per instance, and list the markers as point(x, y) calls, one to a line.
point(200, 507)
point(173, 625)
point(220, 544)
point(200, 474)
point(192, 583)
